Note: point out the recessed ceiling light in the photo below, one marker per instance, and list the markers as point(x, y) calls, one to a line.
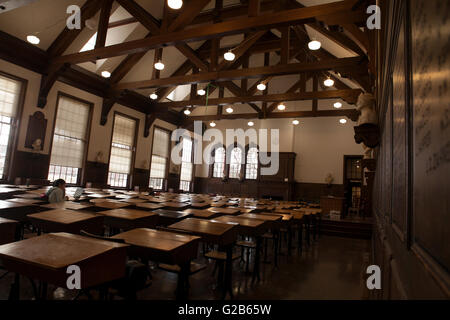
point(295, 122)
point(175, 4)
point(187, 112)
point(314, 45)
point(153, 96)
point(251, 123)
point(230, 110)
point(337, 105)
point(159, 65)
point(212, 124)
point(328, 82)
point(201, 92)
point(343, 121)
point(33, 39)
point(106, 74)
point(229, 56)
point(261, 87)
point(281, 107)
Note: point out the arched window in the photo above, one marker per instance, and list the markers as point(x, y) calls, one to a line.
point(219, 163)
point(235, 163)
point(251, 165)
point(186, 165)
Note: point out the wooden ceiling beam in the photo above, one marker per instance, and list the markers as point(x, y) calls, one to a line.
point(103, 22)
point(187, 15)
point(189, 53)
point(257, 72)
point(66, 37)
point(352, 114)
point(141, 15)
point(350, 96)
point(262, 22)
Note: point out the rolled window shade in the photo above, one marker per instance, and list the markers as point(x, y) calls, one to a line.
point(124, 129)
point(122, 145)
point(161, 140)
point(69, 137)
point(9, 96)
point(158, 169)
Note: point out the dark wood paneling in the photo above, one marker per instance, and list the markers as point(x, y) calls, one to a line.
point(141, 178)
point(29, 165)
point(96, 173)
point(314, 191)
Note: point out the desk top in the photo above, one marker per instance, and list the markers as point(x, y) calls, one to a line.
point(111, 204)
point(127, 214)
point(251, 223)
point(224, 210)
point(261, 216)
point(133, 200)
point(155, 239)
point(151, 206)
point(200, 213)
point(178, 205)
point(202, 226)
point(62, 216)
point(5, 205)
point(25, 201)
point(56, 250)
point(67, 205)
point(172, 214)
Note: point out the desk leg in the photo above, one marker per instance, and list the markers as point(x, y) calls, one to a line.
point(183, 277)
point(257, 262)
point(14, 293)
point(276, 239)
point(228, 273)
point(300, 237)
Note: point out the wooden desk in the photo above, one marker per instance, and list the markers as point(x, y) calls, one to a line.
point(200, 205)
point(230, 211)
point(133, 200)
point(149, 206)
point(175, 205)
point(47, 257)
point(65, 220)
point(127, 219)
point(25, 201)
point(213, 232)
point(16, 211)
point(67, 205)
point(28, 195)
point(272, 220)
point(110, 205)
point(8, 230)
point(249, 227)
point(167, 217)
point(198, 213)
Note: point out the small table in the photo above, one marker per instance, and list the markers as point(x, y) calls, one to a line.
point(230, 211)
point(47, 257)
point(149, 206)
point(65, 220)
point(175, 205)
point(8, 230)
point(222, 234)
point(167, 217)
point(165, 247)
point(127, 219)
point(198, 213)
point(67, 205)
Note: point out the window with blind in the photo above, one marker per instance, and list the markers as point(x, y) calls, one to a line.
point(186, 165)
point(251, 165)
point(235, 163)
point(122, 148)
point(219, 163)
point(10, 94)
point(69, 140)
point(160, 158)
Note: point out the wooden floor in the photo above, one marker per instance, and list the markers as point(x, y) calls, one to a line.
point(332, 268)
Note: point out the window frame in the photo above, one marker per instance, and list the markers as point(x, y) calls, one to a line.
point(247, 149)
point(191, 183)
point(211, 166)
point(82, 175)
point(133, 149)
point(166, 174)
point(13, 140)
point(229, 150)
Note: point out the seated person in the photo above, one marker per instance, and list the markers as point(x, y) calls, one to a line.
point(57, 193)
